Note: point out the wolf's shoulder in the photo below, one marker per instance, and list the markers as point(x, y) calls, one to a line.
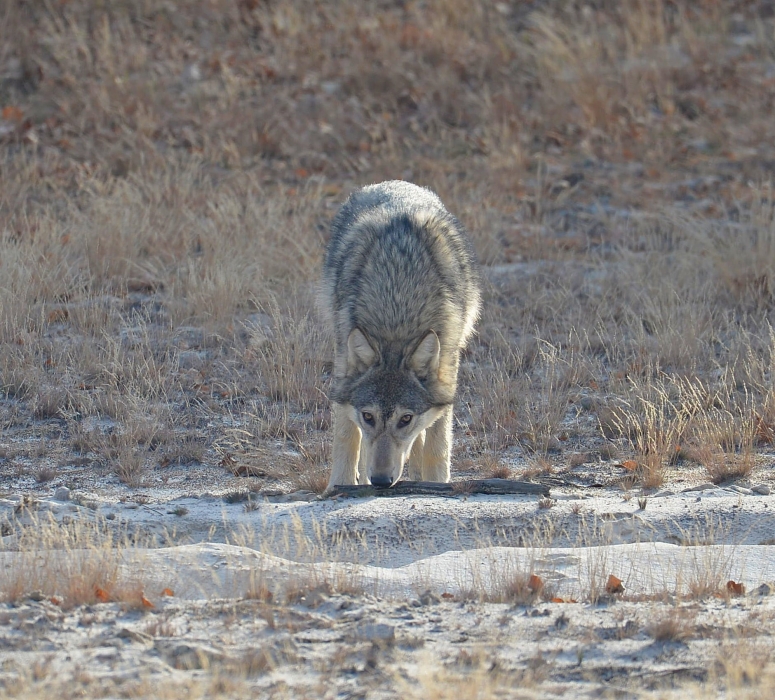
point(390, 198)
point(395, 194)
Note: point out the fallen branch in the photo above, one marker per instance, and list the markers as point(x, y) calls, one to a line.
point(497, 487)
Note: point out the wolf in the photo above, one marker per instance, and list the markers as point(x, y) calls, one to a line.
point(401, 288)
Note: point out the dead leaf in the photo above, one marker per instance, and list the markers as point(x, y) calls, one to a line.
point(168, 592)
point(12, 114)
point(146, 603)
point(614, 585)
point(535, 583)
point(630, 465)
point(735, 589)
point(447, 596)
point(57, 315)
point(101, 594)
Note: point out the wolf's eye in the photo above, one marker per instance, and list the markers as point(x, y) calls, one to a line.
point(405, 420)
point(368, 417)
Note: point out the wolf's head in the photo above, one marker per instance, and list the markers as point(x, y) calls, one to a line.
point(392, 394)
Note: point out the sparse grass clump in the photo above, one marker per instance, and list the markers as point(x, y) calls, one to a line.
point(674, 626)
point(73, 564)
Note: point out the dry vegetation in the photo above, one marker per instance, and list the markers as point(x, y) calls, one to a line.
point(167, 169)
point(168, 172)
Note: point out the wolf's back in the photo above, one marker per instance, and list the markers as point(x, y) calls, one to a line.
point(398, 265)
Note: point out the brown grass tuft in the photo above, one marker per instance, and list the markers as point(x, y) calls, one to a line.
point(674, 626)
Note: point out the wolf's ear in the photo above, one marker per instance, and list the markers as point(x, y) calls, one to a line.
point(425, 359)
point(360, 354)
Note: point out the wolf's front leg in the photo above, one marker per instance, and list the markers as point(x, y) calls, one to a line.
point(438, 445)
point(416, 458)
point(345, 450)
point(363, 463)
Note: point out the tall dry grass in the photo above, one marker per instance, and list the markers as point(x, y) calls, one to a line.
point(70, 564)
point(168, 173)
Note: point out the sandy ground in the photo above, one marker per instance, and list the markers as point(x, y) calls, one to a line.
point(292, 596)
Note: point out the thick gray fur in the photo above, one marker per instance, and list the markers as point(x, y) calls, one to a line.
point(399, 270)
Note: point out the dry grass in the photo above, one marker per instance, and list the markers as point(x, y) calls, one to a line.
point(283, 610)
point(655, 423)
point(168, 173)
point(468, 677)
point(73, 564)
point(674, 626)
point(746, 669)
point(165, 203)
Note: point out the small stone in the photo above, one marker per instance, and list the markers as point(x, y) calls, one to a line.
point(740, 489)
point(36, 596)
point(135, 635)
point(376, 632)
point(62, 494)
point(300, 495)
point(609, 451)
point(765, 589)
point(702, 487)
point(192, 73)
point(664, 492)
point(189, 657)
point(579, 458)
point(762, 490)
point(429, 598)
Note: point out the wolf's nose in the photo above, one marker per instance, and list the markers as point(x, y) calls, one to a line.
point(381, 482)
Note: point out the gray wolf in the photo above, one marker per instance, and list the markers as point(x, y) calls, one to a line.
point(401, 289)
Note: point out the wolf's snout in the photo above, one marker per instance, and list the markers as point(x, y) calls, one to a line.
point(386, 462)
point(381, 482)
